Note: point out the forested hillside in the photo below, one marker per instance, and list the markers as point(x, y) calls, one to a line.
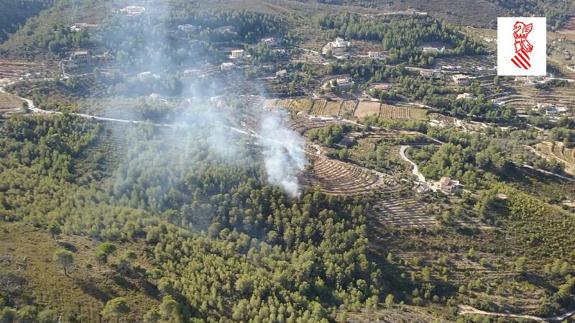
point(221, 244)
point(14, 13)
point(477, 12)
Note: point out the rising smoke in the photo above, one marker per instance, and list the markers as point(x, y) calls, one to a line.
point(143, 48)
point(284, 155)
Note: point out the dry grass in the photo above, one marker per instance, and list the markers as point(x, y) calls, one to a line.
point(557, 151)
point(393, 112)
point(366, 109)
point(85, 290)
point(304, 105)
point(9, 103)
point(332, 108)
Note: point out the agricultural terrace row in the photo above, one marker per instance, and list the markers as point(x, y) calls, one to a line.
point(349, 109)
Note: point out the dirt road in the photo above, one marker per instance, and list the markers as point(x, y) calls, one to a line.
point(466, 309)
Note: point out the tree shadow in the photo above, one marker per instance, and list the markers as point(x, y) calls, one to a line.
point(90, 288)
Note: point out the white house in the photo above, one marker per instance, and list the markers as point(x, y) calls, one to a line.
point(375, 55)
point(79, 26)
point(449, 186)
point(237, 53)
point(132, 11)
point(337, 47)
point(433, 50)
point(465, 96)
point(281, 73)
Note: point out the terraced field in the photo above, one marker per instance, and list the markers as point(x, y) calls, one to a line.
point(333, 108)
point(348, 109)
point(9, 104)
point(403, 212)
point(558, 151)
point(521, 96)
point(366, 109)
point(302, 123)
point(394, 112)
point(318, 107)
point(335, 177)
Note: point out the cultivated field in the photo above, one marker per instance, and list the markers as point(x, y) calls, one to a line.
point(14, 70)
point(347, 109)
point(335, 177)
point(301, 123)
point(558, 151)
point(318, 107)
point(393, 112)
point(404, 212)
point(9, 104)
point(333, 108)
point(522, 95)
point(366, 109)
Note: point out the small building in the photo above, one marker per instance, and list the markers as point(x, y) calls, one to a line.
point(188, 29)
point(132, 11)
point(80, 55)
point(465, 96)
point(338, 47)
point(461, 79)
point(449, 186)
point(269, 41)
point(425, 72)
point(281, 73)
point(227, 66)
point(375, 55)
point(237, 53)
point(551, 109)
point(339, 82)
point(433, 50)
point(451, 67)
point(79, 26)
point(79, 58)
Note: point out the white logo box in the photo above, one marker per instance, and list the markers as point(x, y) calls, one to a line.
point(513, 55)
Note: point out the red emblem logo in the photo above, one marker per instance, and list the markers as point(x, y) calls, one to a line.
point(522, 46)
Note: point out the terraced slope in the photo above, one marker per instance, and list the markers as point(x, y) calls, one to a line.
point(404, 213)
point(335, 177)
point(558, 151)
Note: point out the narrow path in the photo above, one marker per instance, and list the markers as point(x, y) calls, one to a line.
point(466, 309)
point(415, 171)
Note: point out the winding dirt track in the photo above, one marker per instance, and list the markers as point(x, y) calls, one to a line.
point(466, 309)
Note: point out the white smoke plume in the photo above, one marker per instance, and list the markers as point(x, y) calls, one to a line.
point(284, 153)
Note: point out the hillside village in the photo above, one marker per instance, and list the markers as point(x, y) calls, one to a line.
point(282, 161)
